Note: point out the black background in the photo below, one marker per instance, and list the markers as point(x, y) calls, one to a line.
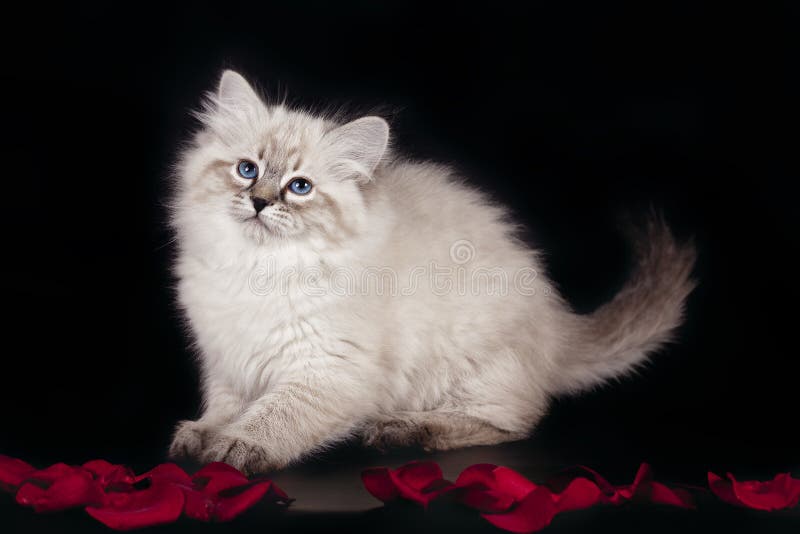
point(574, 114)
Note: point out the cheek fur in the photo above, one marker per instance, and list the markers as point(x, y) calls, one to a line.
point(329, 212)
point(241, 206)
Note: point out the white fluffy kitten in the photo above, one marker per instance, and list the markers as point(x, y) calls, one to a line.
point(290, 228)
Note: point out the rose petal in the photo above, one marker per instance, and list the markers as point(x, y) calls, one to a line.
point(723, 489)
point(781, 492)
point(579, 494)
point(278, 495)
point(643, 487)
point(512, 483)
point(13, 472)
point(107, 473)
point(219, 468)
point(216, 477)
point(167, 472)
point(485, 500)
point(476, 487)
point(477, 474)
point(74, 488)
point(202, 499)
point(560, 482)
point(640, 485)
point(480, 487)
point(232, 502)
point(221, 492)
point(420, 482)
point(661, 494)
point(533, 513)
point(53, 472)
point(417, 476)
point(380, 485)
point(161, 503)
point(99, 468)
point(197, 505)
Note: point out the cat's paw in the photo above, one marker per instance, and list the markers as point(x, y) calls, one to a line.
point(389, 433)
point(240, 451)
point(189, 440)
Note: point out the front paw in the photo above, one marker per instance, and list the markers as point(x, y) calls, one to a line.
point(240, 451)
point(189, 440)
point(386, 434)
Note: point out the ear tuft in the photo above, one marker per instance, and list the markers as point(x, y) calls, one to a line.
point(357, 147)
point(234, 90)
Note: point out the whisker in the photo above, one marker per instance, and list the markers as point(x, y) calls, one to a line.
point(169, 242)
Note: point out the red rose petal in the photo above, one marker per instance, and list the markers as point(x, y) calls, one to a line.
point(643, 475)
point(219, 468)
point(99, 468)
point(533, 513)
point(197, 505)
point(167, 472)
point(218, 476)
point(477, 474)
point(216, 492)
point(107, 473)
point(476, 487)
point(221, 492)
point(161, 503)
point(781, 492)
point(480, 487)
point(13, 472)
point(46, 493)
point(640, 485)
point(485, 500)
point(420, 482)
point(53, 472)
point(278, 495)
point(560, 482)
point(579, 494)
point(661, 494)
point(512, 502)
point(511, 482)
point(643, 487)
point(723, 489)
point(232, 502)
point(380, 485)
point(417, 476)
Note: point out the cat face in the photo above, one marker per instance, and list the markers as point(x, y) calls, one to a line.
point(271, 173)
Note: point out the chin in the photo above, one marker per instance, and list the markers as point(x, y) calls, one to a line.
point(257, 231)
point(262, 231)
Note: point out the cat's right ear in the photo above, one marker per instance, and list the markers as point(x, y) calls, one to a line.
point(234, 91)
point(355, 149)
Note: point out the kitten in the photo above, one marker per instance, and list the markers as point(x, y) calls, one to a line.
point(291, 227)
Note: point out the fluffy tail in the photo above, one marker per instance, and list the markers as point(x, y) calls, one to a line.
point(638, 320)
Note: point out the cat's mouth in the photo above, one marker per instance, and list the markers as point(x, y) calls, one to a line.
point(260, 229)
point(256, 228)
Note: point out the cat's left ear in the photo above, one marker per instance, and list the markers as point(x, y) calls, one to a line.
point(234, 91)
point(355, 149)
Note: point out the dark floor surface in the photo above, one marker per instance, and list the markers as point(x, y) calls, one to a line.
point(330, 498)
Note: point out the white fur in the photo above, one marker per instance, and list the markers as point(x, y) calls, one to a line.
point(286, 372)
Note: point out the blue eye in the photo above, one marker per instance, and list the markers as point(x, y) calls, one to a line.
point(247, 169)
point(300, 186)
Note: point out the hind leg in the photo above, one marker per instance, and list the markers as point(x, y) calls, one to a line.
point(434, 430)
